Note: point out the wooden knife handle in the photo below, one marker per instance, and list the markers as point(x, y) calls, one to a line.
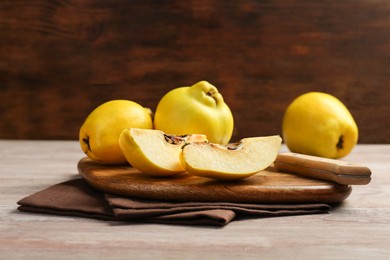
point(322, 168)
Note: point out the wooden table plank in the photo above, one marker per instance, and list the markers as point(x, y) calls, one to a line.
point(357, 229)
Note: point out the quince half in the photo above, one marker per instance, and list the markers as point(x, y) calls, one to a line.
point(233, 161)
point(154, 152)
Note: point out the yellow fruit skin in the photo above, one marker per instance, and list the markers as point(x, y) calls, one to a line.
point(99, 134)
point(190, 110)
point(314, 123)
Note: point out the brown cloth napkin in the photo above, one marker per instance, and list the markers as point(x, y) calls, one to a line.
point(77, 198)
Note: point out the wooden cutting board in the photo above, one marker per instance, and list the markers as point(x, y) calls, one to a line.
point(267, 186)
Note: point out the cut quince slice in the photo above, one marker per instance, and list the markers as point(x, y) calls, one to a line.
point(154, 152)
point(233, 161)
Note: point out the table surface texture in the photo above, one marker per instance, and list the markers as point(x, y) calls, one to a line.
point(359, 228)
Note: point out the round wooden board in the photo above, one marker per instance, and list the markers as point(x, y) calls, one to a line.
point(267, 186)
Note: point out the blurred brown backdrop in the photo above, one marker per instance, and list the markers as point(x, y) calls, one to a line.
point(60, 59)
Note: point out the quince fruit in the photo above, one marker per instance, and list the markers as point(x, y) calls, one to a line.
point(154, 152)
point(233, 161)
point(99, 134)
point(319, 124)
point(199, 109)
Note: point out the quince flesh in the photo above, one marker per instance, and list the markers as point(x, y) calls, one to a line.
point(233, 161)
point(154, 152)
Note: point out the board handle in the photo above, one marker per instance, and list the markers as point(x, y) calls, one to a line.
point(323, 168)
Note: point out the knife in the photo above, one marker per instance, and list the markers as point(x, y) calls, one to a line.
point(323, 168)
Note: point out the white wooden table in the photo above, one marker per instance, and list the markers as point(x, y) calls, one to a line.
point(357, 229)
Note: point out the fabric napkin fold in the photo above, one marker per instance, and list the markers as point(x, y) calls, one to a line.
point(77, 198)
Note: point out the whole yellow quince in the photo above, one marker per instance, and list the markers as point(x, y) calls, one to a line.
point(198, 109)
point(319, 124)
point(99, 134)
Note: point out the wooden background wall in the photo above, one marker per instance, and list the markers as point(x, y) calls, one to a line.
point(59, 59)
